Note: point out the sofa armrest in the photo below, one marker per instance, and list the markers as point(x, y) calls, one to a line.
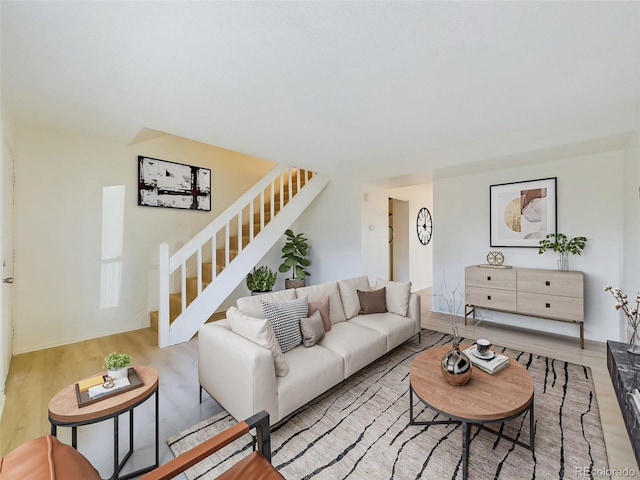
point(238, 373)
point(414, 310)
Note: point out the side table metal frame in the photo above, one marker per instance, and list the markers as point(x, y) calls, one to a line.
point(117, 464)
point(466, 431)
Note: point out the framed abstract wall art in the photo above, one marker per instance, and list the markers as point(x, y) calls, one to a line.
point(522, 213)
point(174, 185)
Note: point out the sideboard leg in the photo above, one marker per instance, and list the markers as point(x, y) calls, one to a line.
point(582, 335)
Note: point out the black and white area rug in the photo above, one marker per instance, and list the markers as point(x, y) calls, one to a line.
point(359, 430)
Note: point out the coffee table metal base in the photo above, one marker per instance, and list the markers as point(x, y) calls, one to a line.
point(466, 431)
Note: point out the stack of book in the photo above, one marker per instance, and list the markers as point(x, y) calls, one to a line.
point(490, 365)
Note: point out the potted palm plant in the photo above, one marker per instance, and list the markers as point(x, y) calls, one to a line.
point(117, 365)
point(261, 280)
point(294, 253)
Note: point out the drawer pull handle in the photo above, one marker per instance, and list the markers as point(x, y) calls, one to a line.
point(547, 283)
point(548, 305)
point(488, 297)
point(488, 279)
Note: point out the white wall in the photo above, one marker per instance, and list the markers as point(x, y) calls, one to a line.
point(631, 256)
point(6, 320)
point(590, 203)
point(374, 222)
point(65, 290)
point(332, 225)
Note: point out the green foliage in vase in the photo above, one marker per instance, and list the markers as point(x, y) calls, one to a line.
point(116, 361)
point(294, 253)
point(261, 279)
point(560, 243)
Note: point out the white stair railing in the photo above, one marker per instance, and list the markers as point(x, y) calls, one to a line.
point(217, 235)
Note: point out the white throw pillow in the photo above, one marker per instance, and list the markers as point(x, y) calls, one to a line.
point(253, 305)
point(397, 295)
point(260, 331)
point(348, 292)
point(285, 320)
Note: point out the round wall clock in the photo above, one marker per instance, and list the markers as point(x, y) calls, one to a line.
point(424, 226)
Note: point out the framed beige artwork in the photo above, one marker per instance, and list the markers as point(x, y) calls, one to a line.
point(522, 213)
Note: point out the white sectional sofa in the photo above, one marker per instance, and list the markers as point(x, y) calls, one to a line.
point(246, 375)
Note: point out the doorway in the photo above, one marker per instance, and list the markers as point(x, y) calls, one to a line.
point(398, 240)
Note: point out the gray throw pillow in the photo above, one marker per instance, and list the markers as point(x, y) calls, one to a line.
point(285, 320)
point(372, 302)
point(312, 329)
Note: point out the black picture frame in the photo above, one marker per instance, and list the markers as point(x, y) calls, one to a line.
point(162, 183)
point(523, 213)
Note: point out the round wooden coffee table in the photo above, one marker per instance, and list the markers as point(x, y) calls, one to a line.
point(65, 412)
point(485, 399)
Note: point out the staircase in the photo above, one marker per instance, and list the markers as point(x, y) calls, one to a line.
point(198, 278)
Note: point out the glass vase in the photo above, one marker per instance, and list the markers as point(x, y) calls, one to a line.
point(634, 339)
point(563, 261)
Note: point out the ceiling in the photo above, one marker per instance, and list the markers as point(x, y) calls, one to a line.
point(394, 90)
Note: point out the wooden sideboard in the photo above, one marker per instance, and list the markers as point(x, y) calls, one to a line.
point(549, 294)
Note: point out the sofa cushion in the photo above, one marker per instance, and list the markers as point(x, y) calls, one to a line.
point(46, 458)
point(319, 292)
point(372, 302)
point(253, 306)
point(285, 319)
point(312, 329)
point(313, 371)
point(348, 292)
point(397, 295)
point(260, 331)
point(357, 345)
point(322, 306)
point(396, 329)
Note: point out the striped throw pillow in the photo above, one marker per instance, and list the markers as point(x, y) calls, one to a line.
point(285, 320)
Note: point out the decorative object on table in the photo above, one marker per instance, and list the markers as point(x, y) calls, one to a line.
point(261, 280)
point(100, 391)
point(483, 347)
point(563, 246)
point(294, 253)
point(522, 213)
point(630, 313)
point(491, 363)
point(424, 226)
point(455, 366)
point(495, 259)
point(116, 365)
point(168, 184)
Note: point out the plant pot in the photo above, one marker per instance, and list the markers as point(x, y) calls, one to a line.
point(259, 293)
point(119, 373)
point(294, 283)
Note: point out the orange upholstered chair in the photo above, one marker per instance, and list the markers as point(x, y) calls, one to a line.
point(46, 458)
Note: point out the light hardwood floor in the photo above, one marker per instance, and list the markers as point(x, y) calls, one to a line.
point(35, 377)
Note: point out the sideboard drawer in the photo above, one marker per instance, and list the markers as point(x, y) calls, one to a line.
point(568, 284)
point(566, 308)
point(490, 298)
point(490, 277)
